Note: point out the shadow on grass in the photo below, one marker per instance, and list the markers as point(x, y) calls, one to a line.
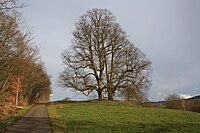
point(95, 101)
point(61, 126)
point(65, 102)
point(34, 124)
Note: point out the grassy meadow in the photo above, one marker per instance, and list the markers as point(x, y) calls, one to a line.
point(119, 117)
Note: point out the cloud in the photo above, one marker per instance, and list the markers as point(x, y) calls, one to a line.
point(166, 31)
point(185, 96)
point(161, 94)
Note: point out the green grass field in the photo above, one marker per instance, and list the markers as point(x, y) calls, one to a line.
point(117, 117)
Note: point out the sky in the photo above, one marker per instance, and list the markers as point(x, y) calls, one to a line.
point(167, 31)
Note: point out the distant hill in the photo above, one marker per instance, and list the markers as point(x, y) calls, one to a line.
point(194, 98)
point(161, 103)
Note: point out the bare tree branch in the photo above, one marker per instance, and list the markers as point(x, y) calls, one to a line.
point(102, 58)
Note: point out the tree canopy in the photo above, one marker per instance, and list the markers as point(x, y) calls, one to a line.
point(102, 58)
point(23, 77)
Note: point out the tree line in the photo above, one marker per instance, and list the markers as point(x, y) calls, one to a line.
point(23, 77)
point(102, 59)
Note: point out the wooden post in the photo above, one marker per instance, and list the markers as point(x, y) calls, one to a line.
point(17, 95)
point(183, 103)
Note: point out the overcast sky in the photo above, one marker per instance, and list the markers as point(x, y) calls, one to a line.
point(167, 31)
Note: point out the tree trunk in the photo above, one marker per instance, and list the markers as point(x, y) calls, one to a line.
point(100, 95)
point(110, 95)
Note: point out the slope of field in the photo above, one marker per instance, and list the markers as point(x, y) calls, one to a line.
point(116, 117)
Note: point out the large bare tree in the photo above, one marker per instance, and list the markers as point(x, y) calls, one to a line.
point(101, 57)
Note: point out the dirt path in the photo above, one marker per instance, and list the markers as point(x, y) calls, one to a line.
point(35, 121)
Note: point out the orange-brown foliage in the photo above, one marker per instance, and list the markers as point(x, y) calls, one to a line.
point(15, 84)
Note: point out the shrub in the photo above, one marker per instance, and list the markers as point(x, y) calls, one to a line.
point(195, 106)
point(175, 102)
